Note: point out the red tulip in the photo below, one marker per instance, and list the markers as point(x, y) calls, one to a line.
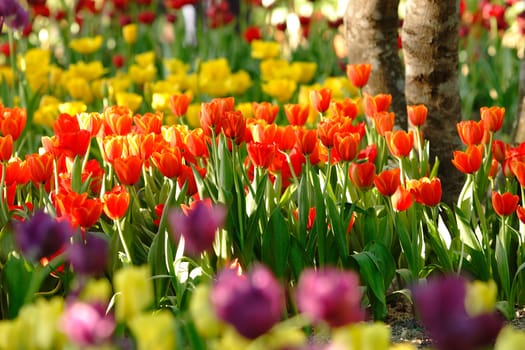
point(402, 199)
point(320, 99)
point(297, 114)
point(469, 161)
point(377, 103)
point(399, 142)
point(504, 204)
point(128, 170)
point(471, 132)
point(426, 191)
point(492, 117)
point(116, 202)
point(388, 181)
point(362, 175)
point(179, 104)
point(417, 114)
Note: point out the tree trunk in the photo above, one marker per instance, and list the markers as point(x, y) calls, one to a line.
point(519, 136)
point(371, 32)
point(430, 47)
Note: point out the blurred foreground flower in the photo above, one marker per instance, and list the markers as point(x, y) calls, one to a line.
point(197, 224)
point(41, 236)
point(252, 303)
point(330, 295)
point(87, 324)
point(441, 304)
point(89, 256)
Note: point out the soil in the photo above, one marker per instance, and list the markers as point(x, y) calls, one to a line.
point(405, 328)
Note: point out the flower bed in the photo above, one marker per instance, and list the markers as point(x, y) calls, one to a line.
point(229, 223)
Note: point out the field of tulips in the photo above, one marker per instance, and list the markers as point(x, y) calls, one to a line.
point(238, 189)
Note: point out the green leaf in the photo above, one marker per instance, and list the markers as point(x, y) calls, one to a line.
point(409, 247)
point(17, 277)
point(466, 232)
point(276, 244)
point(502, 267)
point(156, 261)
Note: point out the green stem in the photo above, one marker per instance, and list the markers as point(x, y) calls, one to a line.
point(127, 256)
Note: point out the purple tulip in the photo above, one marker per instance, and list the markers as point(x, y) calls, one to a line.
point(13, 14)
point(441, 307)
point(41, 236)
point(90, 256)
point(198, 225)
point(330, 295)
point(252, 303)
point(87, 324)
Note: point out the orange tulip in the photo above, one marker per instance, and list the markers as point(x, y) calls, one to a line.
point(12, 121)
point(117, 120)
point(179, 104)
point(6, 147)
point(469, 161)
point(311, 217)
point(362, 175)
point(402, 199)
point(499, 150)
point(417, 114)
point(234, 126)
point(388, 181)
point(261, 154)
point(399, 142)
point(326, 130)
point(40, 167)
point(212, 112)
point(91, 122)
point(384, 122)
point(114, 147)
point(358, 74)
point(517, 168)
point(116, 202)
point(346, 146)
point(494, 167)
point(297, 114)
point(168, 161)
point(81, 210)
point(320, 99)
point(471, 132)
point(128, 170)
point(196, 142)
point(307, 140)
point(148, 123)
point(504, 204)
point(346, 108)
point(265, 111)
point(426, 191)
point(492, 117)
point(377, 103)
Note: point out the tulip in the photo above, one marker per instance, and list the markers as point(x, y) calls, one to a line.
point(155, 331)
point(90, 256)
point(134, 291)
point(148, 123)
point(197, 224)
point(346, 108)
point(346, 146)
point(441, 306)
point(13, 121)
point(87, 324)
point(265, 111)
point(326, 130)
point(234, 126)
point(377, 103)
point(41, 236)
point(118, 120)
point(358, 74)
point(384, 122)
point(128, 169)
point(402, 199)
point(518, 170)
point(168, 161)
point(330, 295)
point(6, 148)
point(116, 202)
point(40, 167)
point(492, 117)
point(251, 303)
point(399, 142)
point(471, 132)
point(261, 154)
point(504, 204)
point(81, 210)
point(179, 104)
point(388, 181)
point(426, 191)
point(308, 141)
point(417, 114)
point(362, 175)
point(297, 114)
point(320, 99)
point(469, 161)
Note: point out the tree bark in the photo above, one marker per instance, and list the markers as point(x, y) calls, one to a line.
point(519, 136)
point(430, 48)
point(371, 32)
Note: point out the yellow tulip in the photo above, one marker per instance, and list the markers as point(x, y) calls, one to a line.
point(481, 297)
point(145, 59)
point(274, 69)
point(280, 89)
point(129, 33)
point(264, 49)
point(86, 45)
point(192, 115)
point(239, 82)
point(134, 291)
point(87, 70)
point(142, 74)
point(246, 109)
point(302, 72)
point(72, 107)
point(160, 101)
point(6, 74)
point(363, 336)
point(96, 290)
point(510, 339)
point(201, 310)
point(129, 99)
point(154, 331)
point(176, 66)
point(79, 89)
